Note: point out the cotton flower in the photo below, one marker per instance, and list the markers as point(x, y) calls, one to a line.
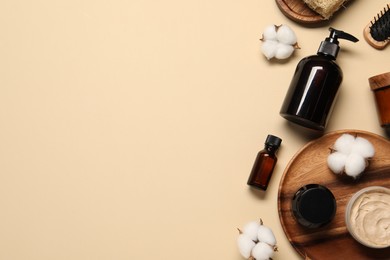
point(251, 230)
point(266, 235)
point(336, 162)
point(283, 51)
point(245, 245)
point(270, 33)
point(262, 251)
point(344, 143)
point(269, 49)
point(285, 35)
point(354, 165)
point(363, 147)
point(278, 42)
point(256, 241)
point(350, 155)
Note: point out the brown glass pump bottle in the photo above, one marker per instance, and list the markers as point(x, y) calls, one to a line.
point(315, 84)
point(264, 163)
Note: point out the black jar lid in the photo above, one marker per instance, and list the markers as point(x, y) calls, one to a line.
point(314, 206)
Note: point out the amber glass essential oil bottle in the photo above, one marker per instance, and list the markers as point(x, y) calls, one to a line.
point(264, 163)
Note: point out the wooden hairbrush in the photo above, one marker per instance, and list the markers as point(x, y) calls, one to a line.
point(377, 32)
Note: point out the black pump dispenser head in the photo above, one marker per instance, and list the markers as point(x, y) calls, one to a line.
point(330, 46)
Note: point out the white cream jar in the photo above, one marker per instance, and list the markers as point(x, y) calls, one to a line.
point(367, 216)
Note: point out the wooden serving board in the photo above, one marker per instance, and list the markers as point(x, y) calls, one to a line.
point(309, 166)
point(298, 11)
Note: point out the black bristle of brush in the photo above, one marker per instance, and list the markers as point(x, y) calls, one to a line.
point(380, 27)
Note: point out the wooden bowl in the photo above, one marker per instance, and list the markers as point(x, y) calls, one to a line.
point(299, 12)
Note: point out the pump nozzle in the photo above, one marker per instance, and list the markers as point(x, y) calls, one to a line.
point(330, 46)
point(336, 34)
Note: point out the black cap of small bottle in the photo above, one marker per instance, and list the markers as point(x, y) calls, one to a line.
point(273, 141)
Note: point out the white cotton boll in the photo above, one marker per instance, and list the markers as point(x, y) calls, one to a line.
point(269, 33)
point(286, 35)
point(266, 235)
point(354, 165)
point(279, 42)
point(344, 143)
point(363, 147)
point(336, 162)
point(262, 251)
point(269, 49)
point(250, 229)
point(245, 245)
point(283, 51)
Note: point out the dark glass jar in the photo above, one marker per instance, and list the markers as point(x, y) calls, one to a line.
point(380, 86)
point(314, 206)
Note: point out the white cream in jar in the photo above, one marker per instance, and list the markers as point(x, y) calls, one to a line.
point(368, 217)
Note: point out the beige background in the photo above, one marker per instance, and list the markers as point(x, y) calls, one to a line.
point(129, 128)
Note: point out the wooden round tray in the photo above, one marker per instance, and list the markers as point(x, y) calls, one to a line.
point(298, 11)
point(309, 166)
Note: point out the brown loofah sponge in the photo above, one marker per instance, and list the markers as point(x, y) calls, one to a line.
point(326, 8)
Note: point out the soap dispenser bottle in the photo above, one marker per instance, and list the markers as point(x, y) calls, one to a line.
point(315, 84)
